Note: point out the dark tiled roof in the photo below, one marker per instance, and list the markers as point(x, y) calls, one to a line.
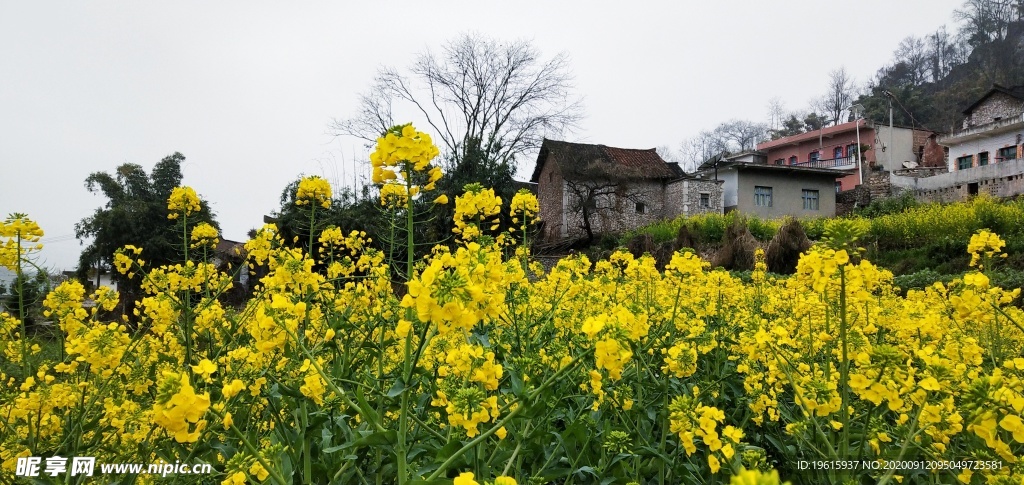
point(585, 160)
point(518, 185)
point(230, 248)
point(1015, 91)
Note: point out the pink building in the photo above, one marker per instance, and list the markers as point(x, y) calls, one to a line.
point(835, 147)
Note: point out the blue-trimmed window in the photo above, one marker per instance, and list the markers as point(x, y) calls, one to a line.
point(810, 198)
point(762, 196)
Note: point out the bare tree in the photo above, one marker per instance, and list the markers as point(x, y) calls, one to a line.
point(913, 54)
point(480, 96)
point(597, 189)
point(987, 20)
point(838, 98)
point(776, 113)
point(701, 148)
point(945, 52)
point(742, 134)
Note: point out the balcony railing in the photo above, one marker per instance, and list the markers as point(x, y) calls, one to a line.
point(844, 163)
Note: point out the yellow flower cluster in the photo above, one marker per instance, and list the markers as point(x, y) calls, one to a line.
point(178, 407)
point(457, 291)
point(474, 211)
point(690, 419)
point(401, 165)
point(467, 374)
point(314, 190)
point(524, 204)
point(203, 235)
point(394, 195)
point(400, 149)
point(467, 478)
point(984, 244)
point(183, 201)
point(21, 236)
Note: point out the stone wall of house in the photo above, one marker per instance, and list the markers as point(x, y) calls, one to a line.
point(634, 204)
point(848, 200)
point(551, 199)
point(998, 105)
point(687, 197)
point(879, 184)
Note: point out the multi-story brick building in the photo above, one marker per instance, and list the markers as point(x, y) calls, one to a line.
point(835, 147)
point(584, 188)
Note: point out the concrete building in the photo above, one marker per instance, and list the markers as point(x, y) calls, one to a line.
point(835, 147)
point(771, 191)
point(585, 188)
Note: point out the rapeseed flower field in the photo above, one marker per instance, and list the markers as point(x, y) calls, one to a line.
point(482, 368)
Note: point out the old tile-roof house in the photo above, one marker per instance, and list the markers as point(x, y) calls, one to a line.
point(585, 189)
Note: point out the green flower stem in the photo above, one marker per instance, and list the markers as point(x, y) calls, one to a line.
point(844, 369)
point(21, 308)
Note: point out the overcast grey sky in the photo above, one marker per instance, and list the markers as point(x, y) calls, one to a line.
point(246, 91)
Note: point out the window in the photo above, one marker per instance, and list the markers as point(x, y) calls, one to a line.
point(705, 200)
point(1008, 153)
point(641, 208)
point(839, 186)
point(837, 153)
point(963, 163)
point(810, 200)
point(762, 196)
point(982, 159)
point(792, 160)
point(813, 156)
point(851, 149)
point(551, 176)
point(781, 161)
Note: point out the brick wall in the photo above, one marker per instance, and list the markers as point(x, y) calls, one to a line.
point(934, 154)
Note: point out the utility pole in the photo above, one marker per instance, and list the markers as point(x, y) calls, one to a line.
point(889, 151)
point(860, 165)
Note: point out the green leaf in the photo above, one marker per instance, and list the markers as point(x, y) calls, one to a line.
point(397, 389)
point(379, 438)
point(448, 450)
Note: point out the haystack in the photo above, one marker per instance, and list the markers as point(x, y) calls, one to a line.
point(738, 246)
point(785, 248)
point(684, 239)
point(640, 244)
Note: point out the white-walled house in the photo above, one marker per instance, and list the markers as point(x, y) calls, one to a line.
point(992, 132)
